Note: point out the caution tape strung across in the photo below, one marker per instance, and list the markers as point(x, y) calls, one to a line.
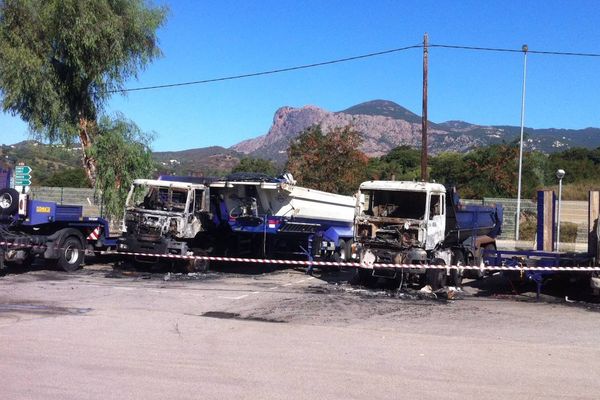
point(354, 264)
point(334, 263)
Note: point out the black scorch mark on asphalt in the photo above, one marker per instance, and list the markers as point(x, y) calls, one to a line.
point(236, 316)
point(41, 309)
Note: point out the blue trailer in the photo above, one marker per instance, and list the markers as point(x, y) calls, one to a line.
point(57, 233)
point(545, 261)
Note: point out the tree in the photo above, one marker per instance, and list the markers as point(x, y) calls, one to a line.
point(401, 163)
point(123, 154)
point(490, 171)
point(331, 162)
point(449, 168)
point(72, 177)
point(60, 60)
point(250, 164)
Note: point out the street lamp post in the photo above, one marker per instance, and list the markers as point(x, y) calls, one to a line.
point(525, 48)
point(560, 174)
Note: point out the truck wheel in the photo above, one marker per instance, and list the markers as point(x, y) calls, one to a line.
point(340, 254)
point(481, 274)
point(345, 250)
point(456, 276)
point(364, 276)
point(70, 256)
point(9, 201)
point(196, 265)
point(434, 277)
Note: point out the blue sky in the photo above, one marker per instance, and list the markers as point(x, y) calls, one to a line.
point(210, 39)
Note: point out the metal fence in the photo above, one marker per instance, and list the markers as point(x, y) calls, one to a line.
point(571, 211)
point(90, 199)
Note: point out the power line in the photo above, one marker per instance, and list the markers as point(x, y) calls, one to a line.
point(555, 53)
point(342, 60)
point(270, 72)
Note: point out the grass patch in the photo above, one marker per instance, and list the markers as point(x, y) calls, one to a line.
point(575, 191)
point(528, 229)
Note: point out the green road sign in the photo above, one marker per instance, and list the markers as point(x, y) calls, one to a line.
point(22, 170)
point(22, 175)
point(23, 182)
point(22, 178)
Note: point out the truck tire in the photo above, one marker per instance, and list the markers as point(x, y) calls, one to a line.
point(347, 256)
point(456, 276)
point(340, 253)
point(489, 246)
point(196, 265)
point(9, 201)
point(343, 252)
point(434, 277)
point(70, 256)
point(364, 277)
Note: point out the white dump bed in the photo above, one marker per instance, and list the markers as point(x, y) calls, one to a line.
point(282, 199)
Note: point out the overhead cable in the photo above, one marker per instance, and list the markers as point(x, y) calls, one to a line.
point(270, 72)
point(346, 59)
point(554, 53)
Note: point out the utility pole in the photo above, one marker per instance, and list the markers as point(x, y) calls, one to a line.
point(424, 174)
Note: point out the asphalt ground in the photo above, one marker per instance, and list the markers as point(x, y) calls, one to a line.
point(239, 332)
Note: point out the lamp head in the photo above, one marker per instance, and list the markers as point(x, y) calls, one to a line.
point(560, 173)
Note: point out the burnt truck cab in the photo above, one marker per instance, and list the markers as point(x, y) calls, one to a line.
point(401, 222)
point(412, 223)
point(164, 217)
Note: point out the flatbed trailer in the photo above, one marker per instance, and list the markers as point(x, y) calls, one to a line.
point(57, 233)
point(545, 262)
point(537, 266)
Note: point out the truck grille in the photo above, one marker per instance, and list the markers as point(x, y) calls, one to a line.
point(298, 227)
point(144, 233)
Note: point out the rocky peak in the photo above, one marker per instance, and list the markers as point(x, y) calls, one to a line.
point(383, 108)
point(385, 125)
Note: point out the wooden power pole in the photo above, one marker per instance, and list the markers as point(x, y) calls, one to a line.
point(424, 174)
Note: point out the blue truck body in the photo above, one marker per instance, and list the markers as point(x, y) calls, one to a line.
point(59, 233)
point(274, 218)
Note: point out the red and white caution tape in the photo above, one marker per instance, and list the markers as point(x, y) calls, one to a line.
point(355, 264)
point(337, 263)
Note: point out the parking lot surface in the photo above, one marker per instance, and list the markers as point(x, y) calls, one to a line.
point(241, 333)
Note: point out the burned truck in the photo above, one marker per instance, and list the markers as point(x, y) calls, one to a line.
point(420, 223)
point(164, 217)
point(249, 215)
point(274, 218)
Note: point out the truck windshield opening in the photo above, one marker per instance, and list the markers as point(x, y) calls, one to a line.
point(395, 204)
point(159, 198)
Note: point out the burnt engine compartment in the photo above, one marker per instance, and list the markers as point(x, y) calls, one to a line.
point(149, 228)
point(398, 236)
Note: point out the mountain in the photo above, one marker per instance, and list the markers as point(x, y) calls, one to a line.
point(384, 125)
point(212, 161)
point(383, 108)
point(44, 159)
